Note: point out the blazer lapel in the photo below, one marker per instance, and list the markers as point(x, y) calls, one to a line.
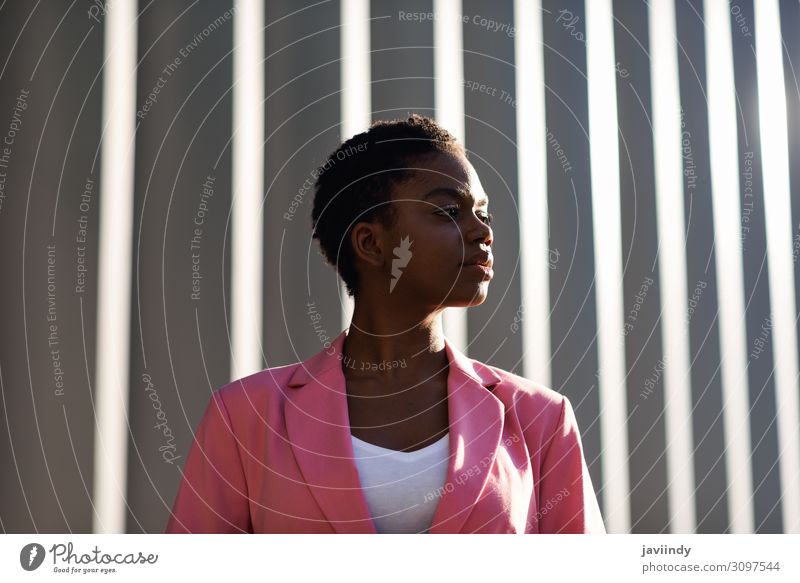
point(318, 427)
point(476, 427)
point(319, 433)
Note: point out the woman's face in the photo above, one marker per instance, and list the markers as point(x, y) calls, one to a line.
point(441, 232)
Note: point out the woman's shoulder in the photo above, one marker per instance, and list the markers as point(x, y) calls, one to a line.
point(541, 411)
point(531, 399)
point(525, 388)
point(261, 388)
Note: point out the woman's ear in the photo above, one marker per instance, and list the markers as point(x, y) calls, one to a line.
point(367, 240)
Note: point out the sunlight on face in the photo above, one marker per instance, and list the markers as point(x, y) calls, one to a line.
point(442, 223)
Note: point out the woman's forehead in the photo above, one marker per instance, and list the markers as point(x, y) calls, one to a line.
point(445, 172)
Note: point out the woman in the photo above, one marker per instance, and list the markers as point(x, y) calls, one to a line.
point(390, 428)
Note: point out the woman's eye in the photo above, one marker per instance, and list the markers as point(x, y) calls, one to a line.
point(447, 210)
point(451, 211)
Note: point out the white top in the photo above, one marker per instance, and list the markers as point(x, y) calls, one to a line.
point(402, 488)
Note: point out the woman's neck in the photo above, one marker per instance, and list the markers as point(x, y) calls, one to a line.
point(381, 346)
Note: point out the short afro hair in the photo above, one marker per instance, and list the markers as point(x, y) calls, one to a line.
point(354, 184)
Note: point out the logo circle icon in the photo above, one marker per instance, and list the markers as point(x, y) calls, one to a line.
point(31, 556)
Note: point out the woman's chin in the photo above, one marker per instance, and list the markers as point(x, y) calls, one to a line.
point(468, 296)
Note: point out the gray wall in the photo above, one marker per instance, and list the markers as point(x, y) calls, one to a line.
point(52, 55)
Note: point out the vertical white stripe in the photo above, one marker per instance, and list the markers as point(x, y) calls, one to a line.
point(356, 95)
point(534, 235)
point(730, 278)
point(114, 266)
point(448, 66)
point(247, 237)
point(448, 71)
point(778, 213)
point(604, 152)
point(672, 264)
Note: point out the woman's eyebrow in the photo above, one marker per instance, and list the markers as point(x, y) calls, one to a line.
point(454, 192)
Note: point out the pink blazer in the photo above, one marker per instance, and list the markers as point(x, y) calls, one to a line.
point(273, 454)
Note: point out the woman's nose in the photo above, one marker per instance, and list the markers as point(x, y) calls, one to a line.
point(482, 231)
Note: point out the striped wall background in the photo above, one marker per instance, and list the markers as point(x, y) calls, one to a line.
point(643, 165)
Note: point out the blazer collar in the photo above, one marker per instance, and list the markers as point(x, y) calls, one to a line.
point(318, 427)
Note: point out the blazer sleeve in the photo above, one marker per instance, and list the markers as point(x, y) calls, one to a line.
point(212, 496)
point(567, 501)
